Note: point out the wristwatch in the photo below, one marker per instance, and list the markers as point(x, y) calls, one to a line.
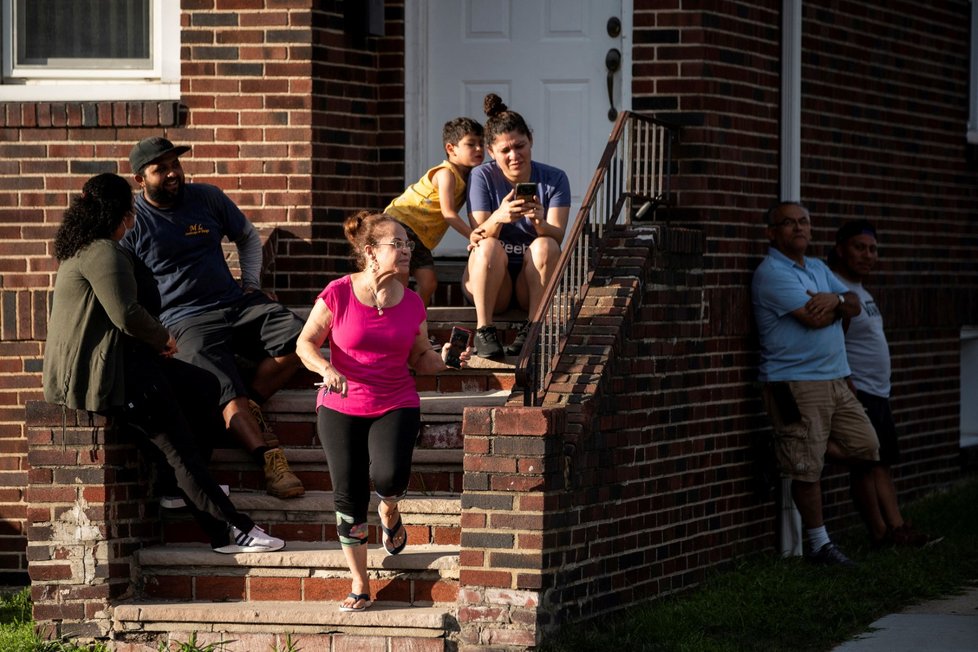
point(842, 299)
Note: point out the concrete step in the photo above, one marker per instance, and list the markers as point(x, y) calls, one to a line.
point(422, 575)
point(433, 469)
point(442, 318)
point(478, 376)
point(291, 412)
point(459, 315)
point(299, 457)
point(291, 415)
point(270, 624)
point(292, 404)
point(430, 519)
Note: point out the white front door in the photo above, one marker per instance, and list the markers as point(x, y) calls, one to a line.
point(545, 58)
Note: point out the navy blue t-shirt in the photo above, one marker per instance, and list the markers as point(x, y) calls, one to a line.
point(488, 186)
point(181, 246)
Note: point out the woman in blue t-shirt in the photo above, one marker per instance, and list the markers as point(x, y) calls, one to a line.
point(515, 245)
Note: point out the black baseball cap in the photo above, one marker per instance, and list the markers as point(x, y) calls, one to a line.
point(150, 150)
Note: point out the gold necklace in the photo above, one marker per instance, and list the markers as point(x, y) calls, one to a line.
point(377, 304)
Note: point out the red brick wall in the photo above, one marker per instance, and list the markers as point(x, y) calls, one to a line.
point(644, 469)
point(282, 102)
point(297, 113)
point(672, 438)
point(883, 134)
point(87, 516)
point(666, 470)
point(884, 112)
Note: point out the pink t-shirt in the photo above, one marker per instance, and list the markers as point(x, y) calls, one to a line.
point(371, 350)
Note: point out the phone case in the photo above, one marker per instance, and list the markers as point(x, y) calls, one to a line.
point(459, 340)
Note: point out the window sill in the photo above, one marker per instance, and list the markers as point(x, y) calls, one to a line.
point(89, 91)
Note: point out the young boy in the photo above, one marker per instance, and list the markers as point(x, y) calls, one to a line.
point(428, 207)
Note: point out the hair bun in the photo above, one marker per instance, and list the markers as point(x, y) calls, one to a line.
point(493, 105)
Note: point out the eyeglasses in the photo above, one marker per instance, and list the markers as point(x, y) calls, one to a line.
point(400, 244)
point(789, 223)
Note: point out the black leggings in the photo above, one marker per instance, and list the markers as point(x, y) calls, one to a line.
point(163, 398)
point(361, 449)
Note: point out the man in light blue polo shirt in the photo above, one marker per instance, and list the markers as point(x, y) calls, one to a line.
point(798, 307)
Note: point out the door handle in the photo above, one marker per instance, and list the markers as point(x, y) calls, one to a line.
point(612, 61)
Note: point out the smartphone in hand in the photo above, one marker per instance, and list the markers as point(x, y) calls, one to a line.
point(526, 191)
point(459, 341)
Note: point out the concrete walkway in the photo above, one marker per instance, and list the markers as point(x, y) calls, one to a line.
point(946, 625)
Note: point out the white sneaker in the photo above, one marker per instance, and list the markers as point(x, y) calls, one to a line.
point(254, 541)
point(176, 502)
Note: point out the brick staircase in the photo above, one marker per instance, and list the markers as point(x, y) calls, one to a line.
point(182, 587)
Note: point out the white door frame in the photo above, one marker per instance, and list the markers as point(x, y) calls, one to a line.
point(416, 136)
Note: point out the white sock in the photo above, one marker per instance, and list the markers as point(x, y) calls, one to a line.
point(817, 537)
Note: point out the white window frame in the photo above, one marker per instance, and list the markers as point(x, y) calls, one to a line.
point(161, 82)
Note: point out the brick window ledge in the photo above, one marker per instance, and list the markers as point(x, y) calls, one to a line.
point(41, 115)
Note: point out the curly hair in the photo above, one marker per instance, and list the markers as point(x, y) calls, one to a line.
point(104, 202)
point(360, 229)
point(502, 120)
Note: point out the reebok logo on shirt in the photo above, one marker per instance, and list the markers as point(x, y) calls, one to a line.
point(515, 249)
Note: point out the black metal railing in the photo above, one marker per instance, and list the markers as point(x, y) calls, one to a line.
point(633, 175)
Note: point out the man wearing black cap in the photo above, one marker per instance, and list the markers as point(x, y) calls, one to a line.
point(214, 317)
point(853, 259)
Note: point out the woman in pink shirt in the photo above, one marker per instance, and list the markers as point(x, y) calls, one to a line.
point(368, 408)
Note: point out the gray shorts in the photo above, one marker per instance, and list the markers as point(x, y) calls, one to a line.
point(254, 328)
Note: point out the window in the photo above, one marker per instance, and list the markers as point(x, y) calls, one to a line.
point(90, 50)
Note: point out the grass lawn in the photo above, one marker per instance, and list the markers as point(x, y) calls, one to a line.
point(771, 604)
point(17, 629)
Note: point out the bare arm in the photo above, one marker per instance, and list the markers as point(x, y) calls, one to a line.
point(824, 308)
point(310, 343)
point(554, 225)
point(488, 225)
point(445, 182)
point(425, 360)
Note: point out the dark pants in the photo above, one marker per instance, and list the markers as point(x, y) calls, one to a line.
point(163, 398)
point(254, 328)
point(361, 449)
point(880, 415)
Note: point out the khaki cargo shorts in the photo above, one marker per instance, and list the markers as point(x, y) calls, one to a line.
point(805, 414)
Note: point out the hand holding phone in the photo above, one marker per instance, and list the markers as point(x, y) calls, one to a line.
point(458, 342)
point(526, 191)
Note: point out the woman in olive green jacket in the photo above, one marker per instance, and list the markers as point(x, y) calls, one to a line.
point(107, 353)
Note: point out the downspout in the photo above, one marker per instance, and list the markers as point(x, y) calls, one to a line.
point(973, 78)
point(789, 518)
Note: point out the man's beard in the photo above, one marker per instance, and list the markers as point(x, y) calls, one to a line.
point(163, 197)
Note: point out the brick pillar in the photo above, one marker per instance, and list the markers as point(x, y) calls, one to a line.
point(87, 515)
point(513, 459)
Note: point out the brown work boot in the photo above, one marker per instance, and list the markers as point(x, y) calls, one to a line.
point(266, 431)
point(279, 480)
